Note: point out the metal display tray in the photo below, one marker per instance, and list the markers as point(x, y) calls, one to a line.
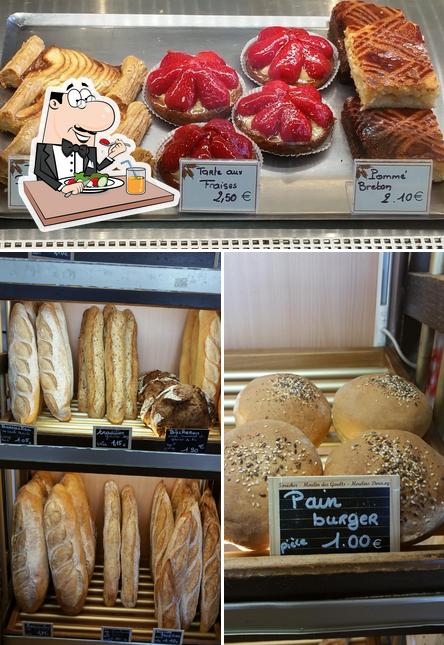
point(311, 187)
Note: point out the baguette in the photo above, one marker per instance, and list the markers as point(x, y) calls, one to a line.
point(44, 479)
point(82, 388)
point(73, 483)
point(53, 363)
point(32, 309)
point(94, 356)
point(168, 602)
point(111, 543)
point(186, 366)
point(183, 489)
point(211, 562)
point(65, 552)
point(114, 365)
point(161, 530)
point(23, 375)
point(207, 373)
point(130, 548)
point(29, 562)
point(193, 348)
point(191, 582)
point(131, 368)
point(62, 321)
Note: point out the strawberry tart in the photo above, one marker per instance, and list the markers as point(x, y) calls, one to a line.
point(216, 139)
point(289, 54)
point(283, 119)
point(191, 89)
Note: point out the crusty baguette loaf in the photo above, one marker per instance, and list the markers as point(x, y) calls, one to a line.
point(207, 372)
point(161, 530)
point(62, 321)
point(32, 309)
point(131, 368)
point(190, 583)
point(194, 347)
point(29, 562)
point(73, 483)
point(130, 548)
point(94, 356)
point(211, 562)
point(65, 552)
point(115, 365)
point(186, 366)
point(53, 363)
point(183, 489)
point(23, 375)
point(45, 479)
point(82, 387)
point(111, 543)
point(168, 601)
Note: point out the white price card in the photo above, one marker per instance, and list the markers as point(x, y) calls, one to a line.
point(391, 187)
point(219, 186)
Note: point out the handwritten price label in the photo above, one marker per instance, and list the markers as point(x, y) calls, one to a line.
point(112, 437)
point(392, 187)
point(219, 186)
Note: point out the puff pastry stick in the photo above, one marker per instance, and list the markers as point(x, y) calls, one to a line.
point(136, 122)
point(124, 91)
point(20, 145)
point(11, 74)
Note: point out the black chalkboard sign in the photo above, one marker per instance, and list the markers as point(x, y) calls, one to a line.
point(18, 433)
point(112, 437)
point(169, 636)
point(327, 515)
point(186, 440)
point(56, 255)
point(40, 630)
point(116, 634)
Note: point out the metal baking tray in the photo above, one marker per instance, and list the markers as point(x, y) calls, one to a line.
point(311, 187)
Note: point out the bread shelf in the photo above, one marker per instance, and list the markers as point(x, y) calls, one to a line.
point(94, 615)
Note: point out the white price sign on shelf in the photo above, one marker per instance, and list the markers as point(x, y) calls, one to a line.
point(391, 187)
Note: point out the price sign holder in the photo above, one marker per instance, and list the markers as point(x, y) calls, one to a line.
point(343, 514)
point(37, 630)
point(169, 636)
point(112, 437)
point(116, 635)
point(186, 440)
point(17, 433)
point(389, 187)
point(219, 186)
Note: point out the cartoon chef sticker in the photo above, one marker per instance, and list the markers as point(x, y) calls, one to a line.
point(75, 156)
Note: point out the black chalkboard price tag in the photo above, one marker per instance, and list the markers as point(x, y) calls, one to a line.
point(186, 440)
point(116, 634)
point(312, 515)
point(169, 636)
point(112, 437)
point(37, 630)
point(18, 433)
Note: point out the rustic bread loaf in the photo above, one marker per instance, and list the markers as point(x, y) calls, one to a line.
point(32, 309)
point(82, 381)
point(252, 453)
point(23, 375)
point(54, 362)
point(168, 602)
point(285, 397)
point(73, 483)
point(115, 364)
point(130, 548)
point(420, 469)
point(45, 479)
point(189, 339)
point(380, 402)
point(183, 489)
point(94, 356)
point(207, 370)
point(29, 562)
point(111, 543)
point(64, 329)
point(161, 530)
point(189, 585)
point(151, 384)
point(131, 368)
point(211, 557)
point(65, 551)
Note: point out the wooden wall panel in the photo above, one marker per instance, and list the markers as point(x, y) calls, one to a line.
point(276, 300)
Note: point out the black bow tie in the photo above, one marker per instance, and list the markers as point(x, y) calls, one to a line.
point(68, 148)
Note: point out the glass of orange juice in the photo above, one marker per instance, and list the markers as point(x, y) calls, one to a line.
point(135, 180)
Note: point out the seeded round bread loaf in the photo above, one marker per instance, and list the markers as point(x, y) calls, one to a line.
point(254, 452)
point(420, 468)
point(380, 402)
point(285, 397)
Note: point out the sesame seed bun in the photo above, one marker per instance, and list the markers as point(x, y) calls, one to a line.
point(285, 397)
point(252, 453)
point(380, 401)
point(420, 468)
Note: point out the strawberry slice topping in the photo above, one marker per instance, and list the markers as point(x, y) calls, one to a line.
point(185, 140)
point(289, 111)
point(184, 79)
point(288, 51)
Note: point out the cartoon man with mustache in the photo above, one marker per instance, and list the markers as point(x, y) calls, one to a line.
point(68, 145)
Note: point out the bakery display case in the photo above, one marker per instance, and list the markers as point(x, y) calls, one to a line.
point(329, 303)
point(150, 481)
point(131, 47)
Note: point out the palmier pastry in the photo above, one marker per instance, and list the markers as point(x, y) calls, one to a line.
point(289, 54)
point(285, 120)
point(215, 140)
point(190, 89)
point(400, 133)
